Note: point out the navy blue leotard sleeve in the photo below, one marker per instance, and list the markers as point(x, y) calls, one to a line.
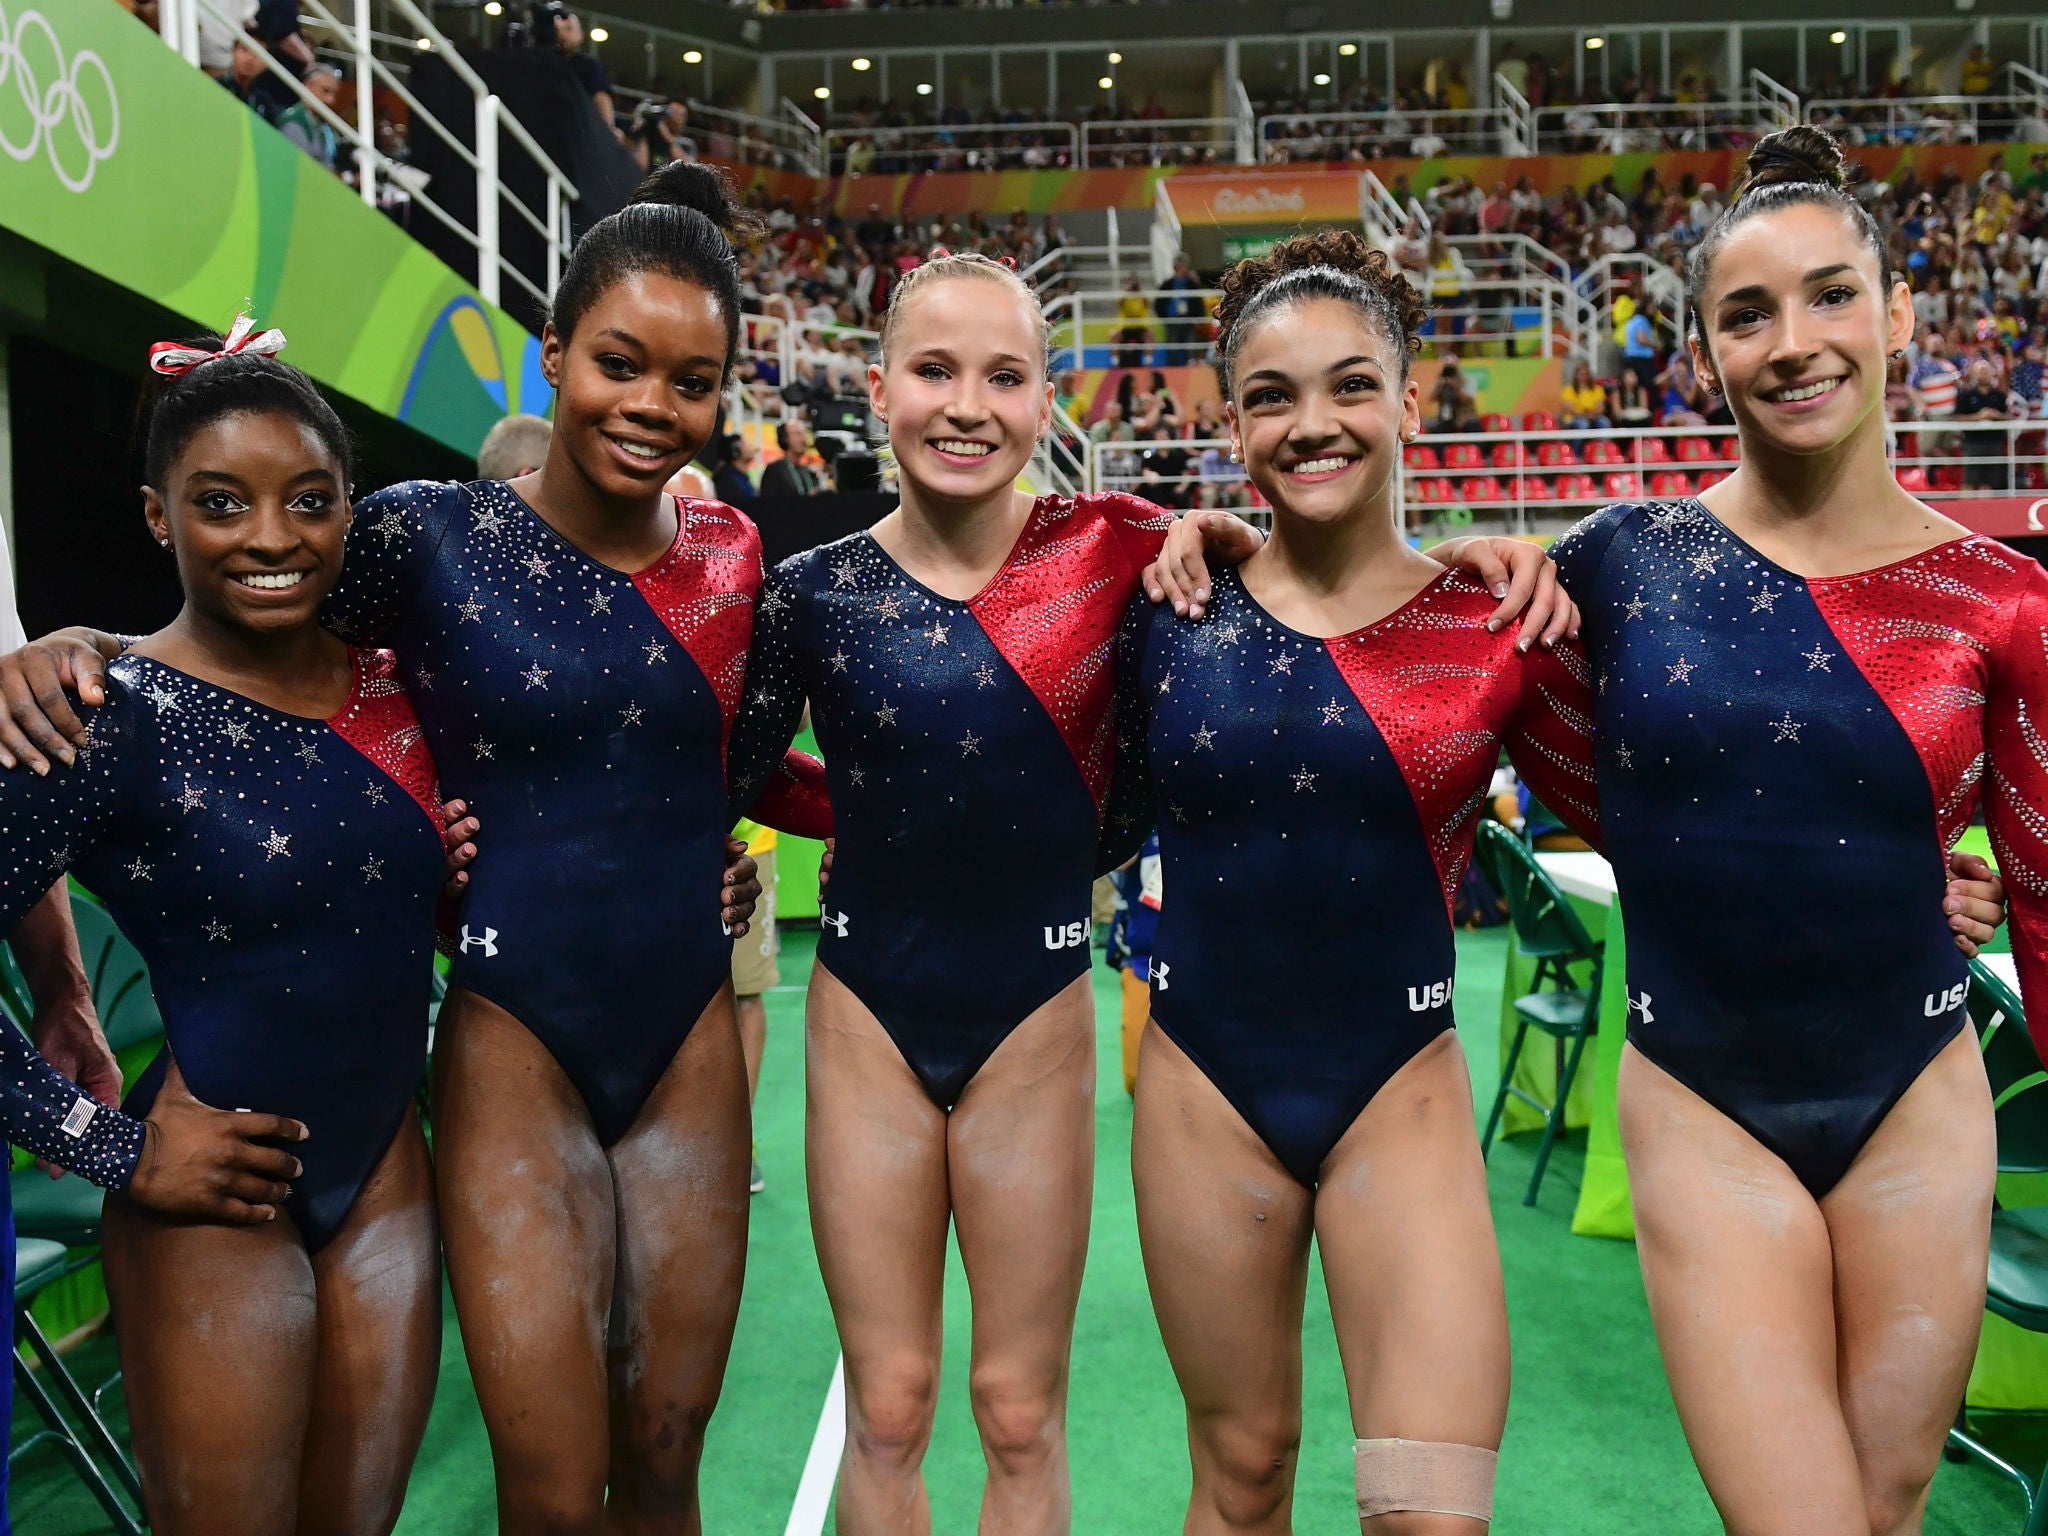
point(48, 826)
point(1129, 815)
point(392, 544)
point(773, 704)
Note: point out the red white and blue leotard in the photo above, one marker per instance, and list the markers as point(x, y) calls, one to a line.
point(582, 712)
point(278, 875)
point(1352, 770)
point(973, 737)
point(1763, 737)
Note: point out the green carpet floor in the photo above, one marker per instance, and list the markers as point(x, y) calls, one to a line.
point(1593, 1445)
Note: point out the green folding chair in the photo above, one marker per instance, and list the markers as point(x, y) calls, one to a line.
point(82, 1436)
point(1548, 931)
point(2016, 1285)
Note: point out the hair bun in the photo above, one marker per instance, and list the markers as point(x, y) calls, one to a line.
point(706, 188)
point(1795, 155)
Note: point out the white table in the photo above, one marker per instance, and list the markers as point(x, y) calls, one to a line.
point(1586, 875)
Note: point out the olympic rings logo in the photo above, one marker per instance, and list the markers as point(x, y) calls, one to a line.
point(65, 116)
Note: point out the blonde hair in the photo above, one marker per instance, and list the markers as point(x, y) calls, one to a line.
point(942, 264)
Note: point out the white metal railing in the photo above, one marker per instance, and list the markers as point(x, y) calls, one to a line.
point(809, 134)
point(1776, 106)
point(1633, 274)
point(1166, 231)
point(1247, 124)
point(1157, 140)
point(1081, 322)
point(1517, 118)
point(1926, 119)
point(730, 135)
point(1516, 475)
point(1618, 127)
point(1395, 131)
point(954, 147)
point(179, 26)
point(1380, 211)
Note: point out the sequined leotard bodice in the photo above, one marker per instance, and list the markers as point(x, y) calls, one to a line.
point(1348, 772)
point(278, 875)
point(582, 713)
point(963, 739)
point(1763, 737)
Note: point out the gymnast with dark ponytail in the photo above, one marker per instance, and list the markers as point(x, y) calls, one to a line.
point(576, 642)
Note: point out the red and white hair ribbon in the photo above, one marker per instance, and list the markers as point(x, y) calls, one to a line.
point(174, 360)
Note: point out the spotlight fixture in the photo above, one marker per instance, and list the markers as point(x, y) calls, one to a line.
point(924, 88)
point(1116, 58)
point(1596, 42)
point(1106, 83)
point(1322, 79)
point(494, 9)
point(693, 57)
point(599, 35)
point(861, 66)
point(1838, 37)
point(426, 44)
point(823, 93)
point(1348, 50)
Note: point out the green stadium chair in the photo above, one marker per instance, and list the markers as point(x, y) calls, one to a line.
point(2016, 1286)
point(119, 979)
point(1548, 931)
point(82, 1435)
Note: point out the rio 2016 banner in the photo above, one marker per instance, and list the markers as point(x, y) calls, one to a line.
point(122, 158)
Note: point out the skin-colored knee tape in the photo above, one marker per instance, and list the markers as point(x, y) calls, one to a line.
point(1426, 1476)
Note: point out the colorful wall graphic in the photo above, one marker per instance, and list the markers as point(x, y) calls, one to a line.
point(997, 193)
point(141, 169)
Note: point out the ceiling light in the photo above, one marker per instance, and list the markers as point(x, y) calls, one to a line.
point(1106, 83)
point(862, 65)
point(494, 9)
point(1838, 37)
point(924, 88)
point(693, 57)
point(1349, 50)
point(823, 93)
point(425, 44)
point(599, 35)
point(1596, 42)
point(1322, 79)
point(1116, 58)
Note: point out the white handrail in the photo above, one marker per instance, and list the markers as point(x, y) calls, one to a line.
point(1247, 125)
point(1517, 118)
point(1919, 119)
point(1380, 211)
point(1776, 105)
point(813, 137)
point(1166, 231)
point(489, 118)
point(1222, 131)
point(930, 138)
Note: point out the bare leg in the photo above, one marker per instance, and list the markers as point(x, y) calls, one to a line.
point(269, 1392)
point(753, 1039)
point(529, 1223)
point(217, 1328)
point(379, 1347)
point(1225, 1233)
point(1911, 1223)
point(875, 1148)
point(681, 1176)
point(1739, 1267)
point(1021, 1156)
point(1413, 1269)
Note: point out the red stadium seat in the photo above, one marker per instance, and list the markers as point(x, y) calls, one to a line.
point(1909, 445)
point(1481, 488)
point(1538, 421)
point(1654, 450)
point(1668, 485)
point(1948, 477)
point(1712, 477)
point(1421, 456)
point(1576, 487)
point(1624, 485)
point(1493, 421)
point(1436, 488)
point(1506, 456)
point(1464, 456)
point(1605, 450)
point(1727, 449)
point(2033, 477)
point(1554, 453)
point(1694, 450)
point(1538, 488)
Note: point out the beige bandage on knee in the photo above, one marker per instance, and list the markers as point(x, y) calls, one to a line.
point(1427, 1476)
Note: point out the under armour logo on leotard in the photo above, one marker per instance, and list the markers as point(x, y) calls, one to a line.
point(837, 924)
point(1642, 1005)
point(488, 943)
point(1159, 970)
